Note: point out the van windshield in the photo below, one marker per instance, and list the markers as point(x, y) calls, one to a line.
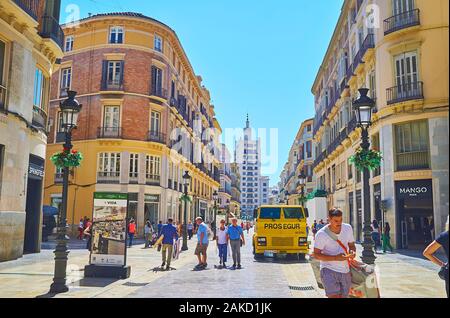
point(293, 213)
point(270, 213)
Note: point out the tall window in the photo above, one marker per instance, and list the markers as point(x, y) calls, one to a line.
point(406, 72)
point(308, 149)
point(40, 84)
point(134, 165)
point(158, 43)
point(66, 80)
point(412, 145)
point(402, 6)
point(116, 35)
point(153, 167)
point(114, 72)
point(111, 119)
point(68, 46)
point(155, 122)
point(157, 81)
point(373, 85)
point(109, 164)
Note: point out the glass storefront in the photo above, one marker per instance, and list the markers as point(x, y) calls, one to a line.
point(151, 208)
point(415, 213)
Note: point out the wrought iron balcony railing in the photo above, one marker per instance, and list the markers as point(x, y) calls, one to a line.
point(109, 132)
point(50, 28)
point(108, 177)
point(31, 7)
point(39, 117)
point(151, 179)
point(405, 92)
point(156, 136)
point(402, 21)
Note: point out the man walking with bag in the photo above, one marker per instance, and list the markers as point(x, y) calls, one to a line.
point(335, 247)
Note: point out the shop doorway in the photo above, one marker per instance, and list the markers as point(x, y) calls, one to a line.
point(33, 205)
point(415, 214)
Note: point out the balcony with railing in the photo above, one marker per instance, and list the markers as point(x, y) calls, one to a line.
point(156, 136)
point(39, 117)
point(159, 92)
point(112, 85)
point(50, 29)
point(402, 21)
point(413, 160)
point(109, 133)
point(3, 92)
point(108, 177)
point(368, 43)
point(152, 179)
point(31, 7)
point(405, 92)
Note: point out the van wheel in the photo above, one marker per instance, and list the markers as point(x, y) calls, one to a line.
point(258, 255)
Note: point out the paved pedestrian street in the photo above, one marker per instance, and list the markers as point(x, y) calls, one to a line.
point(401, 276)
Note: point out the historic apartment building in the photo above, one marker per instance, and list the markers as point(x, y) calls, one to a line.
point(399, 50)
point(301, 159)
point(30, 46)
point(225, 179)
point(146, 119)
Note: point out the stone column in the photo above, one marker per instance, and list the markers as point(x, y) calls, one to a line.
point(387, 178)
point(439, 136)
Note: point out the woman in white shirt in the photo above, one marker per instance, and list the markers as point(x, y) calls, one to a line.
point(222, 242)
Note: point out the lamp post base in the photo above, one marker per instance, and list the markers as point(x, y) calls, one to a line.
point(368, 255)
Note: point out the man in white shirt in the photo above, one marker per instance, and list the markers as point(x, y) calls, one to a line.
point(334, 259)
point(222, 243)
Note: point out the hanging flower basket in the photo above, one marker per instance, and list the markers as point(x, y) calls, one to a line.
point(369, 159)
point(67, 159)
point(186, 198)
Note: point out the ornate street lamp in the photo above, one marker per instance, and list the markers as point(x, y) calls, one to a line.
point(213, 225)
point(70, 108)
point(187, 182)
point(302, 184)
point(363, 108)
point(286, 194)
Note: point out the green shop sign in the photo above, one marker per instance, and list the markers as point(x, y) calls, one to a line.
point(110, 196)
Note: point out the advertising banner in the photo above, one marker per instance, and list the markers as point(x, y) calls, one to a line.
point(109, 229)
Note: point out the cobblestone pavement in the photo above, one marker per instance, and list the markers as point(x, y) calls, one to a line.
point(400, 275)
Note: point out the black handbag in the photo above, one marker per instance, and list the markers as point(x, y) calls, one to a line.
point(443, 273)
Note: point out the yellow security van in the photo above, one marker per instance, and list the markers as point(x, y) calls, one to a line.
point(280, 229)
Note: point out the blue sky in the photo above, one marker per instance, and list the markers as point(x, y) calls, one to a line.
point(255, 56)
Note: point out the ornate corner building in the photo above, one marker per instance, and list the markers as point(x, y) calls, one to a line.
point(399, 50)
point(30, 45)
point(146, 119)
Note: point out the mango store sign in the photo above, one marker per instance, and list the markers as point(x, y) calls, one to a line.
point(414, 189)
